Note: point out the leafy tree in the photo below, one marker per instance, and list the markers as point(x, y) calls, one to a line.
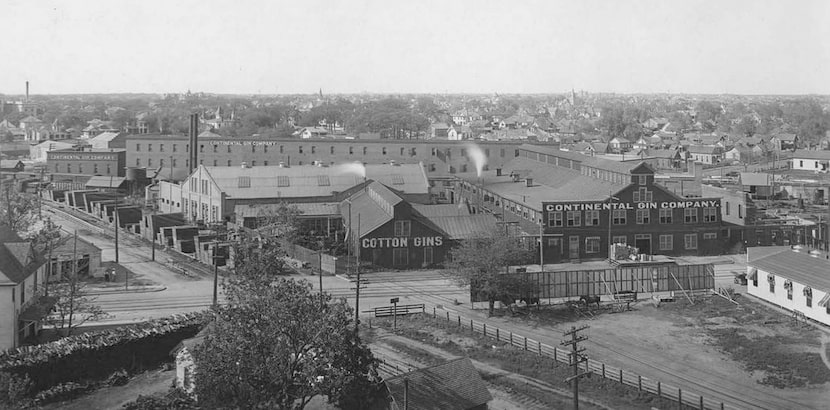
point(74, 305)
point(482, 261)
point(277, 344)
point(17, 210)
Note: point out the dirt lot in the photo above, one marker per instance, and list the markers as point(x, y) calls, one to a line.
point(516, 378)
point(751, 351)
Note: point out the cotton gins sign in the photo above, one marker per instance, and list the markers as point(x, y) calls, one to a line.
point(636, 205)
point(401, 242)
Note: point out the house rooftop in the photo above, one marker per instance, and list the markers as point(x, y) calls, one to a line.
point(798, 266)
point(452, 385)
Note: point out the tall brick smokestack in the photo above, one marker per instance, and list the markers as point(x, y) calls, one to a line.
point(27, 91)
point(194, 141)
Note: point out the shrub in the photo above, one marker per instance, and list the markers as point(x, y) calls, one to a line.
point(15, 391)
point(61, 392)
point(175, 399)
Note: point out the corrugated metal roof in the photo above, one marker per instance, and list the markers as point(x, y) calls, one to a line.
point(797, 266)
point(431, 211)
point(810, 154)
point(464, 226)
point(104, 182)
point(550, 183)
point(452, 385)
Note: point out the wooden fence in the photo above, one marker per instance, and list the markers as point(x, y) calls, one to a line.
point(598, 368)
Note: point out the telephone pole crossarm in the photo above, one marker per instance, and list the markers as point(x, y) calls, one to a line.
point(575, 358)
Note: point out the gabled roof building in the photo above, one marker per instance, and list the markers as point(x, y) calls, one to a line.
point(574, 200)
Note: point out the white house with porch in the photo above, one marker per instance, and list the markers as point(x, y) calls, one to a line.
point(794, 279)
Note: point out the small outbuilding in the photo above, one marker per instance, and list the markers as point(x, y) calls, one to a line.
point(452, 385)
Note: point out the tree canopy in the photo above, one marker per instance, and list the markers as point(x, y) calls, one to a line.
point(482, 262)
point(277, 344)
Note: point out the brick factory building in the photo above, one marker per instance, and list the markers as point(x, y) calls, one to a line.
point(583, 204)
point(105, 162)
point(439, 157)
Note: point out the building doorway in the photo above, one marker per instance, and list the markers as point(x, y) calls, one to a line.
point(573, 247)
point(553, 252)
point(643, 243)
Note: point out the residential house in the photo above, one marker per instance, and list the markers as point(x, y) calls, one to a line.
point(619, 145)
point(817, 161)
point(439, 130)
point(706, 154)
point(642, 143)
point(793, 279)
point(11, 165)
point(311, 132)
point(784, 142)
point(740, 153)
point(97, 127)
point(452, 385)
point(655, 123)
point(30, 125)
point(21, 277)
point(669, 159)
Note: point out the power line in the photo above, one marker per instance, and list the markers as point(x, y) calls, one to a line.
point(575, 358)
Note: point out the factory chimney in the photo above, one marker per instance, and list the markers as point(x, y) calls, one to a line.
point(194, 141)
point(27, 91)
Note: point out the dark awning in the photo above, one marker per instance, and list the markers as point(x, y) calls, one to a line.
point(753, 274)
point(39, 309)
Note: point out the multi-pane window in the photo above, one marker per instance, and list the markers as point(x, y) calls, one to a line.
point(690, 241)
point(591, 218)
point(137, 147)
point(403, 228)
point(666, 242)
point(618, 216)
point(620, 239)
point(592, 244)
point(690, 215)
point(665, 215)
point(643, 216)
point(574, 218)
point(174, 148)
point(161, 147)
point(710, 214)
point(710, 235)
point(555, 219)
point(642, 179)
point(643, 195)
point(149, 147)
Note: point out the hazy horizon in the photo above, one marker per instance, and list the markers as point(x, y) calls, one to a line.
point(697, 47)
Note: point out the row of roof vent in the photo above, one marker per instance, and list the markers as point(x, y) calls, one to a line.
point(814, 253)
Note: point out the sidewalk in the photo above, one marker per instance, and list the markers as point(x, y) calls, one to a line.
point(111, 289)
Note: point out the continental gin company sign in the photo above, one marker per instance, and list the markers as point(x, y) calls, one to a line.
point(604, 206)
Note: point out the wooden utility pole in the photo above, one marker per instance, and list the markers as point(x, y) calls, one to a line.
point(575, 359)
point(358, 284)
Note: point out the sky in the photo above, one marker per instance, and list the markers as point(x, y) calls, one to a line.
point(415, 46)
